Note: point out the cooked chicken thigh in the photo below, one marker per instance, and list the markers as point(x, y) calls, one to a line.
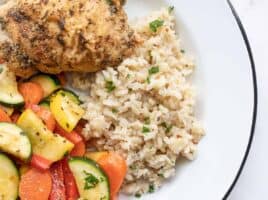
point(65, 35)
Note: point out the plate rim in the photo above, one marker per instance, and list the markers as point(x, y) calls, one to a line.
point(255, 98)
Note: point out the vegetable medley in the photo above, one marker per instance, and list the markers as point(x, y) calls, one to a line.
point(42, 152)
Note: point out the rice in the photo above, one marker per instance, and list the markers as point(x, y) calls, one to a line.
point(144, 108)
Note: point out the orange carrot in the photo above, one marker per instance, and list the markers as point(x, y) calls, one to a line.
point(31, 92)
point(4, 117)
point(79, 149)
point(62, 78)
point(46, 116)
point(35, 184)
point(115, 167)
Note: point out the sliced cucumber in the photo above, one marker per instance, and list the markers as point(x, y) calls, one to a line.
point(9, 110)
point(91, 181)
point(9, 179)
point(44, 143)
point(49, 83)
point(65, 110)
point(9, 94)
point(14, 141)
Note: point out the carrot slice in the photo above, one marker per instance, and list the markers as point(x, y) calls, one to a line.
point(34, 185)
point(31, 92)
point(46, 116)
point(3, 116)
point(40, 163)
point(79, 149)
point(69, 182)
point(72, 136)
point(115, 167)
point(58, 188)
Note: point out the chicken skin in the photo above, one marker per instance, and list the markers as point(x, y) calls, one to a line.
point(53, 36)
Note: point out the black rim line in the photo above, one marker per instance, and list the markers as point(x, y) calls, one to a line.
point(254, 117)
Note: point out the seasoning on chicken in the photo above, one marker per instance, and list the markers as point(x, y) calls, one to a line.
point(62, 35)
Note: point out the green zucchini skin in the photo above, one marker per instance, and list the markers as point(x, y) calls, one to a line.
point(82, 168)
point(9, 94)
point(49, 83)
point(9, 178)
point(14, 141)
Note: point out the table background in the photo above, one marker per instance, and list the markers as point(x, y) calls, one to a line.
point(253, 182)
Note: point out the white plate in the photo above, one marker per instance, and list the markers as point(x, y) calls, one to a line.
point(227, 91)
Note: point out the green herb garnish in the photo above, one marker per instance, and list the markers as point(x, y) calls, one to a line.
point(109, 85)
point(148, 79)
point(153, 70)
point(110, 2)
point(128, 76)
point(147, 120)
point(145, 129)
point(90, 181)
point(154, 25)
point(182, 51)
point(1, 69)
point(114, 110)
point(170, 9)
point(167, 127)
point(133, 167)
point(138, 195)
point(151, 188)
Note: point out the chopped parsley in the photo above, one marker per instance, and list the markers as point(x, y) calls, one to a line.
point(170, 9)
point(147, 120)
point(154, 25)
point(145, 129)
point(138, 195)
point(151, 188)
point(109, 85)
point(1, 70)
point(167, 127)
point(91, 181)
point(133, 167)
point(182, 51)
point(148, 80)
point(114, 110)
point(110, 2)
point(128, 76)
point(153, 70)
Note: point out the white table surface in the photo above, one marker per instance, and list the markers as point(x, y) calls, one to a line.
point(253, 182)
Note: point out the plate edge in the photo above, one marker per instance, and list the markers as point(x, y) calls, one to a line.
point(255, 106)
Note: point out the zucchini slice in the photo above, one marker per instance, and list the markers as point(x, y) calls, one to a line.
point(14, 141)
point(9, 179)
point(65, 110)
point(90, 179)
point(44, 143)
point(69, 93)
point(9, 94)
point(49, 83)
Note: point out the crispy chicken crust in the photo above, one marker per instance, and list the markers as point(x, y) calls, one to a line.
point(65, 35)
